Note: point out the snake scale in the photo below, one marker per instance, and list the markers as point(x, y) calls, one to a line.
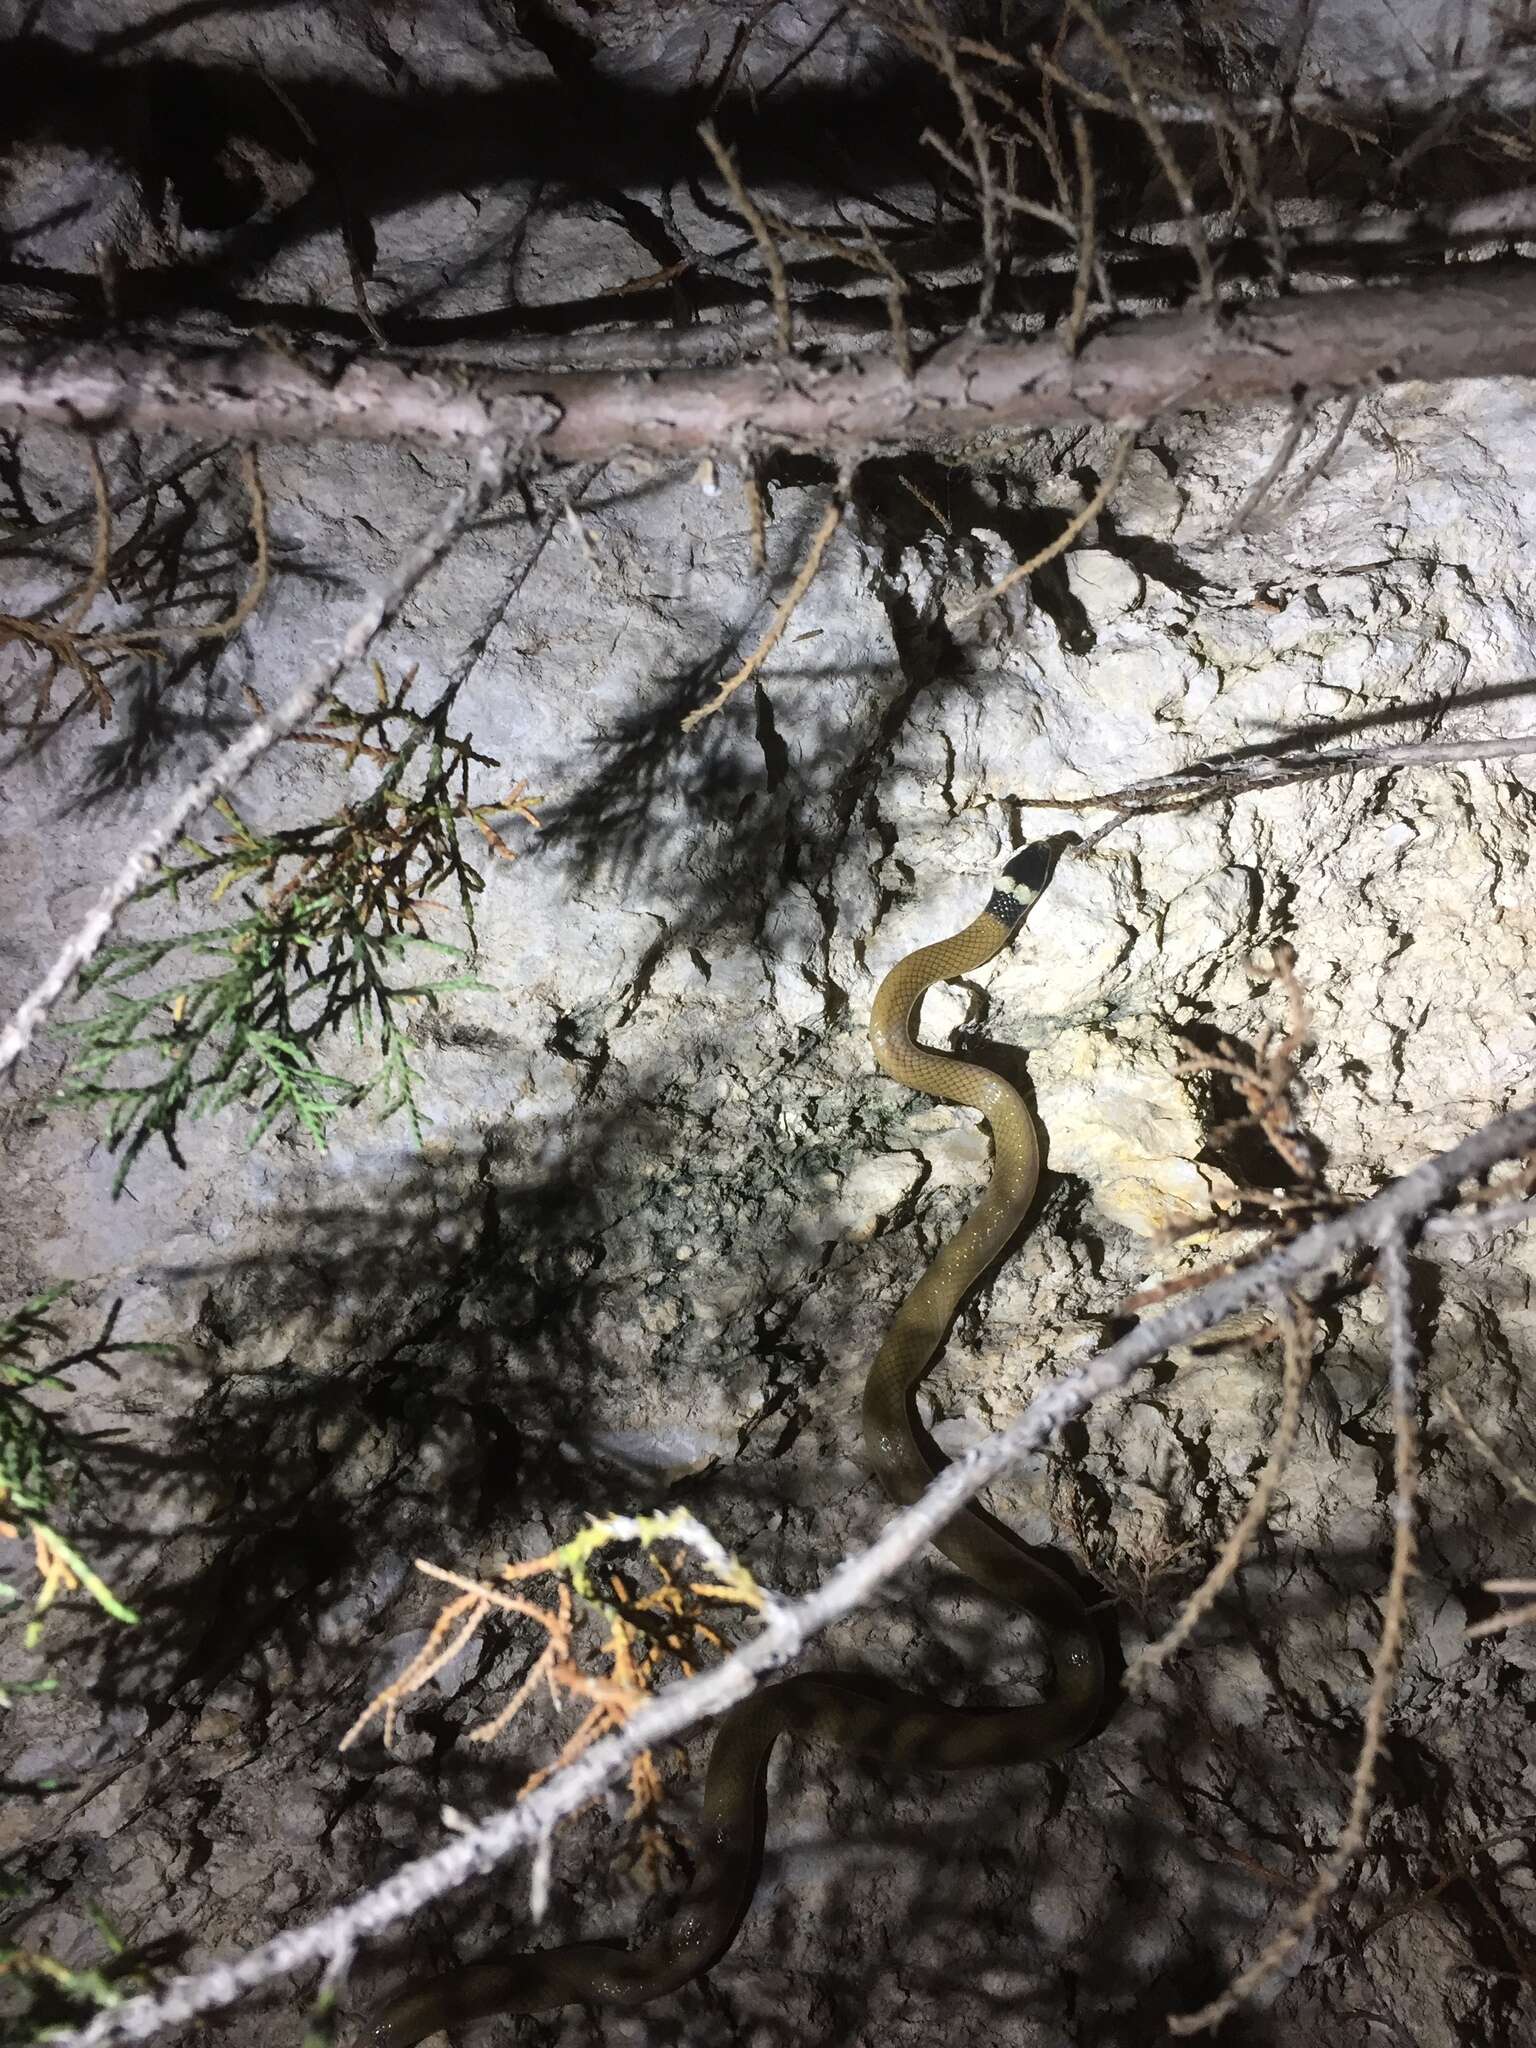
point(891, 1727)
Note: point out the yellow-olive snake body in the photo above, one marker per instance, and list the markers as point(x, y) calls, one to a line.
point(891, 1727)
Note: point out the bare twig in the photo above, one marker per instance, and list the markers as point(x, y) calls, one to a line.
point(101, 557)
point(757, 523)
point(1299, 1332)
point(1162, 149)
point(1189, 789)
point(1430, 1185)
point(1392, 1268)
point(1086, 209)
point(1011, 202)
point(976, 136)
point(139, 638)
point(1319, 463)
point(1259, 199)
point(1512, 1617)
point(1302, 409)
point(1065, 538)
point(785, 610)
point(762, 234)
point(483, 489)
point(65, 646)
point(1498, 1216)
point(345, 209)
point(895, 304)
point(1474, 1436)
point(1265, 1077)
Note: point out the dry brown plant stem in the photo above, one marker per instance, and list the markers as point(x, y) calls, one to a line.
point(1512, 1617)
point(976, 136)
point(1490, 1457)
point(785, 610)
point(345, 211)
point(1065, 538)
point(1393, 1271)
point(1162, 149)
point(757, 522)
point(752, 214)
point(1299, 1332)
point(1086, 213)
point(1011, 202)
point(96, 581)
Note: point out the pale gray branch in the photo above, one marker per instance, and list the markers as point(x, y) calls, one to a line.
point(1479, 322)
point(1396, 1211)
point(1208, 782)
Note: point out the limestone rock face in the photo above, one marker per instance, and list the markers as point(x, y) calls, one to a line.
point(666, 1206)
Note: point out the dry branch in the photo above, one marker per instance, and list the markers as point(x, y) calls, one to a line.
point(1151, 126)
point(752, 214)
point(1219, 781)
point(483, 488)
point(1300, 1340)
point(831, 519)
point(1393, 1271)
point(1084, 516)
point(976, 136)
point(1480, 323)
point(1396, 1212)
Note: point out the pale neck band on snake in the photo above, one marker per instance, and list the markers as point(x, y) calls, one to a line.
point(890, 1727)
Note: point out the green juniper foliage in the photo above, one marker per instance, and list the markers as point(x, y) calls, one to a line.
point(38, 1456)
point(332, 914)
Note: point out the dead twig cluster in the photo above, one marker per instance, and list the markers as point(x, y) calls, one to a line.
point(647, 1633)
point(64, 643)
point(1393, 1273)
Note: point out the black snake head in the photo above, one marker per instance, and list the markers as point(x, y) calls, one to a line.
point(1021, 880)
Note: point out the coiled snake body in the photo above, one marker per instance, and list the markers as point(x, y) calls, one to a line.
point(891, 1727)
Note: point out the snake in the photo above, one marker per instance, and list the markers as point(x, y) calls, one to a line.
point(883, 1725)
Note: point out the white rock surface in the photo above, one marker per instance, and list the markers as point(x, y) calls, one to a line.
point(667, 1206)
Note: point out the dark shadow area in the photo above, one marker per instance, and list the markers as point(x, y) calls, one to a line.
point(302, 1471)
point(202, 140)
point(871, 1874)
point(726, 829)
point(176, 123)
point(169, 719)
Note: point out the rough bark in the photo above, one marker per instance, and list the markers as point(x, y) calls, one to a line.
point(1482, 324)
